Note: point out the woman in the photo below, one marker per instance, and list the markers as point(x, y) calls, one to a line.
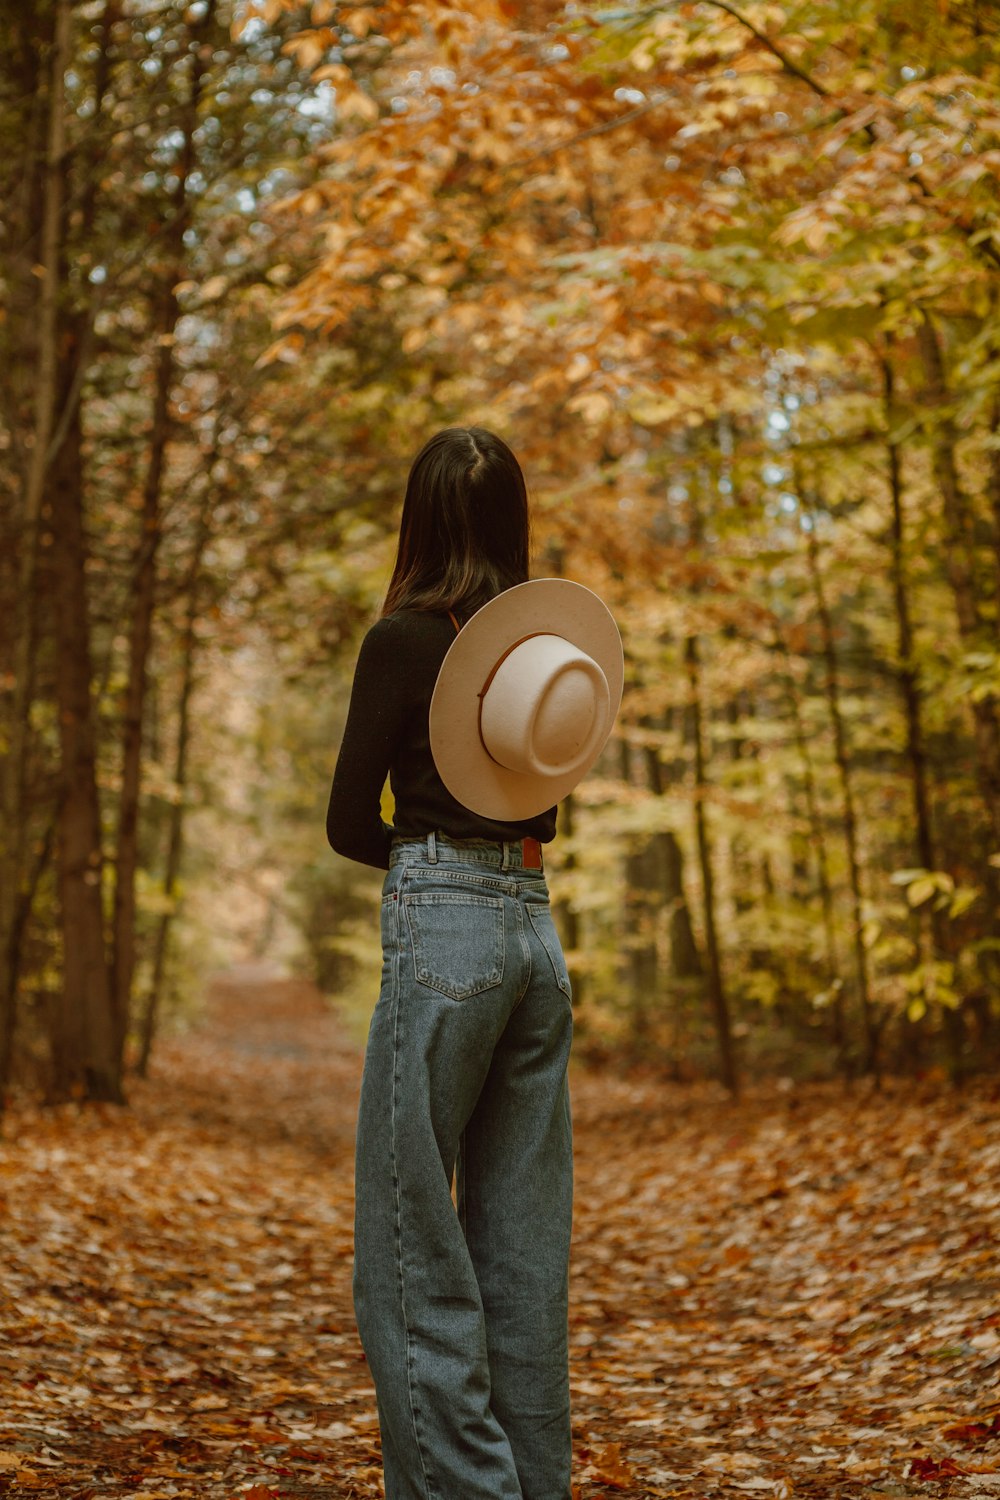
point(463, 1315)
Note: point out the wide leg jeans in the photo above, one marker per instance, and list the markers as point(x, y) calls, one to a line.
point(463, 1313)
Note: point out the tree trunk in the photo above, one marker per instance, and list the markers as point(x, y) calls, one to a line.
point(140, 641)
point(959, 558)
point(642, 907)
point(994, 487)
point(869, 1030)
point(685, 960)
point(175, 836)
point(144, 589)
point(45, 356)
point(740, 862)
point(817, 835)
point(84, 1051)
point(716, 990)
point(912, 697)
point(638, 950)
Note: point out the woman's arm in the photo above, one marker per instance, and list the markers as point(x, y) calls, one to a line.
point(354, 824)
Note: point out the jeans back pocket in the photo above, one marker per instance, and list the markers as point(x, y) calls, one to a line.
point(457, 941)
point(545, 930)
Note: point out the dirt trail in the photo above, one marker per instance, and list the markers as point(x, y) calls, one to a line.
point(797, 1295)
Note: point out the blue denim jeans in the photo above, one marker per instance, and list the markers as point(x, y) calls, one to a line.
point(463, 1313)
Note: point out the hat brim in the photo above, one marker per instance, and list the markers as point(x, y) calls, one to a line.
point(553, 606)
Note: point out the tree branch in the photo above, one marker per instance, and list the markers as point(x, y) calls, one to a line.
point(788, 63)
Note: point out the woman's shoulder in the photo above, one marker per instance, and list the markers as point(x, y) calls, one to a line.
point(411, 622)
point(409, 632)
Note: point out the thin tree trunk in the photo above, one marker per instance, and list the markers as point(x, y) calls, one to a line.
point(832, 682)
point(140, 641)
point(716, 990)
point(175, 836)
point(685, 959)
point(817, 836)
point(684, 956)
point(642, 906)
point(739, 849)
point(638, 955)
point(959, 560)
point(994, 487)
point(144, 589)
point(912, 696)
point(12, 916)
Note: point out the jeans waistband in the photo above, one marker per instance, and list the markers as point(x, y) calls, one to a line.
point(519, 854)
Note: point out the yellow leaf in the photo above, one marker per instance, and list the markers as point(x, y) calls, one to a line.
point(816, 234)
point(354, 102)
point(648, 410)
point(310, 51)
point(360, 21)
point(335, 72)
point(285, 348)
point(593, 405)
point(921, 890)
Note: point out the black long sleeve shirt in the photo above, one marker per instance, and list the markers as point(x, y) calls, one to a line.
point(387, 733)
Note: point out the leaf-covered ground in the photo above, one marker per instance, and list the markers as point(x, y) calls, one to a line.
point(796, 1295)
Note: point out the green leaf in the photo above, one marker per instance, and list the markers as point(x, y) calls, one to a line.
point(921, 890)
point(964, 897)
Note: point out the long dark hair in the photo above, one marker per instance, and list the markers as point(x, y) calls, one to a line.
point(464, 535)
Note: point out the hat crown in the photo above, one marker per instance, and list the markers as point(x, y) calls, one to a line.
point(544, 706)
point(526, 698)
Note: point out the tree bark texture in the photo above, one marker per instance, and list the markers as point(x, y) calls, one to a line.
point(994, 485)
point(638, 957)
point(716, 989)
point(175, 833)
point(817, 841)
point(685, 959)
point(842, 757)
point(84, 1051)
point(43, 358)
point(912, 699)
point(741, 864)
point(960, 565)
point(144, 589)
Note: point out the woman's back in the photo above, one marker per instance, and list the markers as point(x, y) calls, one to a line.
point(387, 733)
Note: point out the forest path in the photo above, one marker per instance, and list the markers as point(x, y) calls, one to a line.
point(796, 1294)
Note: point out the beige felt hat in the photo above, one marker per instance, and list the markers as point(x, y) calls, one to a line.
point(526, 698)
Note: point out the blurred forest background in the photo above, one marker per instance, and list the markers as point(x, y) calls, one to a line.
point(727, 277)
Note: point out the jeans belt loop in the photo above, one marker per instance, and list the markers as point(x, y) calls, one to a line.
point(505, 861)
point(432, 850)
